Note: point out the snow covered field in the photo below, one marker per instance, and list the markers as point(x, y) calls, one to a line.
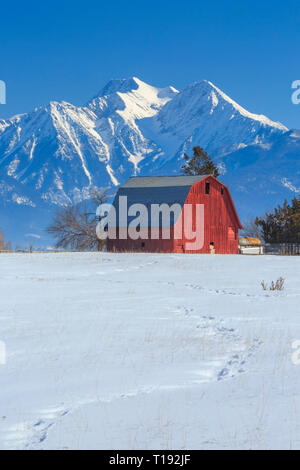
point(131, 351)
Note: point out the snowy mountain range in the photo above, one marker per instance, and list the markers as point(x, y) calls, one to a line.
point(56, 154)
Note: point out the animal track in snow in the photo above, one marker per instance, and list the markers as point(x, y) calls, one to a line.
point(41, 428)
point(236, 363)
point(224, 291)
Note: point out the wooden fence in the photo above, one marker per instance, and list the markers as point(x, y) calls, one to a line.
point(284, 249)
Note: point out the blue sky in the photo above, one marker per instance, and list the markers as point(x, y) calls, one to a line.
point(63, 50)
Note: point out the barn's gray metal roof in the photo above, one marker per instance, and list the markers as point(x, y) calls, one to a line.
point(148, 190)
point(161, 181)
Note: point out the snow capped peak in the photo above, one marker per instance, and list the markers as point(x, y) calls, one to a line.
point(134, 84)
point(199, 93)
point(203, 115)
point(257, 117)
point(122, 85)
point(131, 99)
point(145, 100)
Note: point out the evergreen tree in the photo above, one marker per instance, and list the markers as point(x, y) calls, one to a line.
point(199, 164)
point(283, 224)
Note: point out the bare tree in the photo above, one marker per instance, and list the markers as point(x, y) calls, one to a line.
point(7, 246)
point(74, 226)
point(251, 229)
point(4, 245)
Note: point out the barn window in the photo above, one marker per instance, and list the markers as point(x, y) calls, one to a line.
point(207, 188)
point(222, 190)
point(143, 244)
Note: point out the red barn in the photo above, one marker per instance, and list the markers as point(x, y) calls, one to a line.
point(202, 196)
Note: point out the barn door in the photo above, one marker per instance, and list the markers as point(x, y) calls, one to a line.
point(180, 247)
point(231, 233)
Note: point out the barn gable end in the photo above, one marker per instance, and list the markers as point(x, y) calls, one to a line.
point(221, 222)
